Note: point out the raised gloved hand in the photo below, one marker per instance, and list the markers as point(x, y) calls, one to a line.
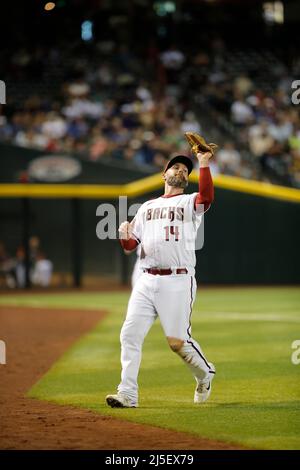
point(198, 144)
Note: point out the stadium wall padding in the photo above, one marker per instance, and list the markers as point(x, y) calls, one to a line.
point(250, 239)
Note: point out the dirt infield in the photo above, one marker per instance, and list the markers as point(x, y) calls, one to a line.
point(35, 338)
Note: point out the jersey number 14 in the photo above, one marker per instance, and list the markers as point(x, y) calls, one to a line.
point(171, 230)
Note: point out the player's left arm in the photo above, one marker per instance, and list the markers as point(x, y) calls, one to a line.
point(127, 239)
point(205, 195)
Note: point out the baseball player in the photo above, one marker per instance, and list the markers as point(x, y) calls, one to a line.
point(164, 228)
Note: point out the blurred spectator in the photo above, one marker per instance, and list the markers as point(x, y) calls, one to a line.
point(42, 271)
point(54, 126)
point(259, 138)
point(79, 107)
point(12, 269)
point(20, 267)
point(229, 159)
point(241, 112)
point(78, 89)
point(294, 139)
point(242, 85)
point(31, 139)
point(34, 248)
point(7, 265)
point(282, 127)
point(172, 58)
point(99, 145)
point(190, 123)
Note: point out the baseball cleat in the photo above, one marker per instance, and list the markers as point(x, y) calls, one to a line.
point(203, 388)
point(120, 401)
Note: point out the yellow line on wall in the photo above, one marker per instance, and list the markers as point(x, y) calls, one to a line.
point(145, 185)
point(256, 188)
point(141, 187)
point(61, 191)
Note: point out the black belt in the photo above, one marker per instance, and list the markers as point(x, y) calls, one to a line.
point(165, 272)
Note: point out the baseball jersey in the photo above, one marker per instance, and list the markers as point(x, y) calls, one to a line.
point(166, 228)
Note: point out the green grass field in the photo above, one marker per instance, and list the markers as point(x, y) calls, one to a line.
point(246, 332)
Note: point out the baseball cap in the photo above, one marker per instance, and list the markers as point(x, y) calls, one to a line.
point(180, 159)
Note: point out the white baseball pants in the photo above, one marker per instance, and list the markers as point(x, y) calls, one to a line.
point(171, 298)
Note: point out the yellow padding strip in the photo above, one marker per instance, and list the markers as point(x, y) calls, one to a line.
point(85, 191)
point(256, 188)
point(141, 187)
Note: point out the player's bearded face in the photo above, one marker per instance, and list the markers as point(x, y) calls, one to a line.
point(177, 177)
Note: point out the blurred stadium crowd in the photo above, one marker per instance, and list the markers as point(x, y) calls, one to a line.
point(106, 100)
point(12, 268)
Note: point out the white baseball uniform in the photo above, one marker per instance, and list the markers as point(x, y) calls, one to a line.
point(166, 230)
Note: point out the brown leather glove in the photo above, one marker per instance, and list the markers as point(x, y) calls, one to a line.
point(198, 144)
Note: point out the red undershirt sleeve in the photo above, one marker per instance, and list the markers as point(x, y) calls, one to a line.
point(129, 245)
point(206, 189)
